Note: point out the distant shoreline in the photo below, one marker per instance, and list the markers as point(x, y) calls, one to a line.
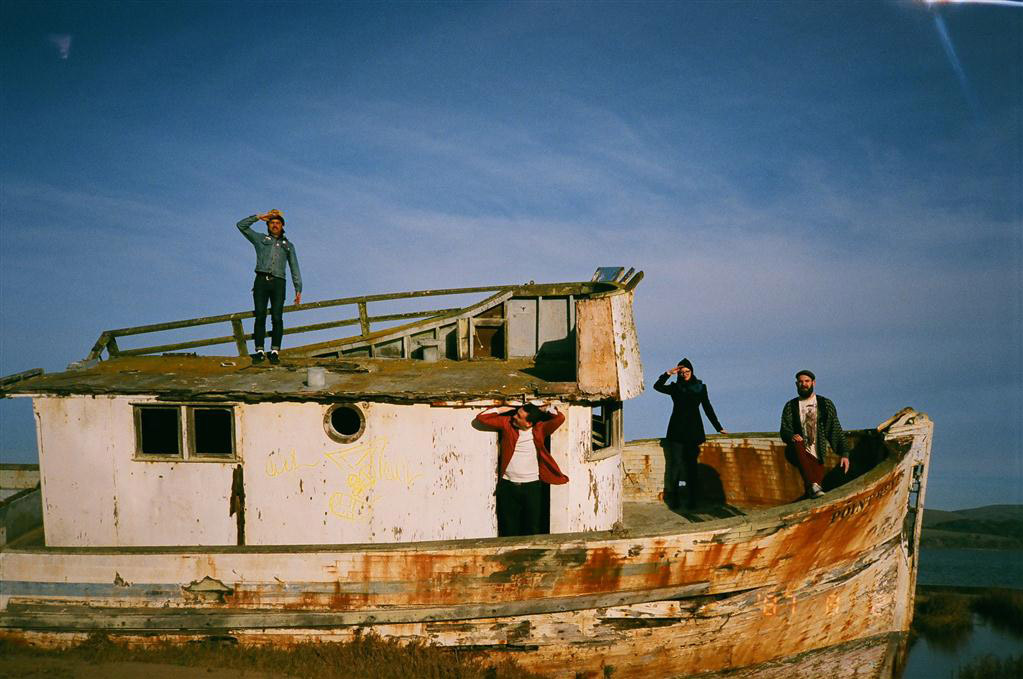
point(994, 527)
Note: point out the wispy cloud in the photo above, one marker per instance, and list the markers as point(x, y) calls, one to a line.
point(62, 41)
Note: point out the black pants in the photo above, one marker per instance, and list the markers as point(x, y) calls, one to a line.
point(521, 508)
point(268, 288)
point(682, 480)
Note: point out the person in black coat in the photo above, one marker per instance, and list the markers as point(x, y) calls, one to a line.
point(685, 433)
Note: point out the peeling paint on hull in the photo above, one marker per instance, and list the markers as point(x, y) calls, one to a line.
point(819, 588)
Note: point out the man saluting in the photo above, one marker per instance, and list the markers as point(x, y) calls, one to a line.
point(273, 252)
point(524, 463)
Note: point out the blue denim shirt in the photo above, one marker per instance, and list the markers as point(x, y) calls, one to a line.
point(272, 253)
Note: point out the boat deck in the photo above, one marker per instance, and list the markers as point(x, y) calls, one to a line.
point(638, 517)
point(648, 516)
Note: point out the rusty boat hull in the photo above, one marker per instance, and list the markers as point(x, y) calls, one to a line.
point(761, 586)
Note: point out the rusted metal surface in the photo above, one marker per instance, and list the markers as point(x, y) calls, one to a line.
point(745, 470)
point(814, 588)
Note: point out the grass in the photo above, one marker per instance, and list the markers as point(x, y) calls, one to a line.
point(990, 667)
point(1003, 608)
point(945, 617)
point(366, 657)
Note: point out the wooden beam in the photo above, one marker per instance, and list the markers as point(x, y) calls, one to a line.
point(239, 336)
point(99, 346)
point(17, 377)
point(363, 319)
point(77, 617)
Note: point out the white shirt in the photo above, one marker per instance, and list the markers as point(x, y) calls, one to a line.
point(808, 419)
point(523, 467)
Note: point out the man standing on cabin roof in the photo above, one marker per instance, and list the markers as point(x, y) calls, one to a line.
point(524, 465)
point(809, 425)
point(273, 252)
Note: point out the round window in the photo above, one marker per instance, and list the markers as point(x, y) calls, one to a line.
point(344, 422)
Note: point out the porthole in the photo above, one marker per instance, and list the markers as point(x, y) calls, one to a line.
point(344, 422)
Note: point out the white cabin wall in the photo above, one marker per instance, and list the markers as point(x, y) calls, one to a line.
point(592, 498)
point(76, 470)
point(96, 494)
point(626, 347)
point(416, 473)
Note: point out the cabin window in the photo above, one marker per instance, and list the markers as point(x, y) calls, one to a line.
point(158, 431)
point(344, 422)
point(212, 431)
point(606, 429)
point(184, 432)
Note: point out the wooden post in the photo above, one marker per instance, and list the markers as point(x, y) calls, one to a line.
point(239, 336)
point(112, 348)
point(363, 318)
point(464, 339)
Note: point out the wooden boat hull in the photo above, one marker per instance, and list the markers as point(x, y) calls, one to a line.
point(811, 588)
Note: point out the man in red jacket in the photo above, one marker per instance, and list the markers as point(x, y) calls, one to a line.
point(524, 464)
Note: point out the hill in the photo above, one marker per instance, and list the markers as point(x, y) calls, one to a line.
point(989, 527)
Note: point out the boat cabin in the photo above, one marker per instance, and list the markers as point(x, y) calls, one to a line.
point(364, 439)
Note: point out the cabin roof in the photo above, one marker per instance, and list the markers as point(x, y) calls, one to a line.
point(219, 378)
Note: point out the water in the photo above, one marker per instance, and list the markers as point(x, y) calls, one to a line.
point(971, 567)
point(941, 659)
point(928, 660)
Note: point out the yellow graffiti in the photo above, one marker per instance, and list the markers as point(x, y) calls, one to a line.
point(364, 466)
point(369, 464)
point(288, 465)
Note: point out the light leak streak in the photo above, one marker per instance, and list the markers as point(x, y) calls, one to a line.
point(950, 50)
point(997, 3)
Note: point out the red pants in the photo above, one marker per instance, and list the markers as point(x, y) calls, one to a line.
point(809, 466)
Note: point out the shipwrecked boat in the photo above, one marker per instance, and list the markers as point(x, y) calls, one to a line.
point(187, 497)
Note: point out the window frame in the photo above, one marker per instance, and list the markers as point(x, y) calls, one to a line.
point(193, 454)
point(186, 433)
point(612, 422)
point(334, 434)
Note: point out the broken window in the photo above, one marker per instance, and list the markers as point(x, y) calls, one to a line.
point(606, 426)
point(158, 431)
point(212, 431)
point(163, 430)
point(344, 422)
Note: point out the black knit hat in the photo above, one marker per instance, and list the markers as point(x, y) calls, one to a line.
point(807, 373)
point(685, 362)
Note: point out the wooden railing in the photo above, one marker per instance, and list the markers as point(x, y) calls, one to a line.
point(605, 280)
point(108, 339)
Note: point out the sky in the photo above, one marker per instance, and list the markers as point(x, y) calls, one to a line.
point(835, 186)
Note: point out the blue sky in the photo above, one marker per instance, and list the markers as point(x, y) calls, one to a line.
point(823, 185)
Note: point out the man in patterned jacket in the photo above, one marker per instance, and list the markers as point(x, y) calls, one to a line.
point(809, 425)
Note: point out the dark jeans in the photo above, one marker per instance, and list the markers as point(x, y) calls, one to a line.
point(271, 290)
point(521, 508)
point(682, 482)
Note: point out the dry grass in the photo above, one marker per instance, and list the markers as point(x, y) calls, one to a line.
point(990, 667)
point(366, 657)
point(1003, 607)
point(943, 616)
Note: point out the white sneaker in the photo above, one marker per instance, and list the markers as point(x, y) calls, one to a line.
point(816, 490)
